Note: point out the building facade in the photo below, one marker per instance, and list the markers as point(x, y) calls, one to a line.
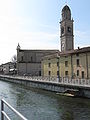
point(71, 64)
point(29, 61)
point(8, 68)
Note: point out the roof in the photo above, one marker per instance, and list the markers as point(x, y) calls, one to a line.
point(66, 53)
point(65, 8)
point(79, 50)
point(37, 50)
point(8, 63)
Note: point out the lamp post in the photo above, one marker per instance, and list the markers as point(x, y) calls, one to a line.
point(58, 66)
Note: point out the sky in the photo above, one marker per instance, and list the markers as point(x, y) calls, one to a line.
point(34, 24)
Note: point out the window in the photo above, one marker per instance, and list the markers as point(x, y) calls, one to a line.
point(77, 62)
point(69, 29)
point(39, 73)
point(77, 54)
point(49, 73)
point(31, 58)
point(77, 72)
point(48, 58)
point(9, 66)
point(49, 64)
point(62, 30)
point(66, 73)
point(82, 74)
point(57, 64)
point(66, 63)
point(21, 58)
point(66, 56)
point(57, 73)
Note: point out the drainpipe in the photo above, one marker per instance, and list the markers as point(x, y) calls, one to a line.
point(58, 57)
point(26, 67)
point(71, 67)
point(87, 64)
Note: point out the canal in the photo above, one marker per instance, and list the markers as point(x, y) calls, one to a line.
point(36, 104)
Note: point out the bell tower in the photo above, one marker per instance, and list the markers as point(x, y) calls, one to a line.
point(66, 27)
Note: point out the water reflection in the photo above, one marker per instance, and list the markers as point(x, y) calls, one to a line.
point(68, 115)
point(36, 104)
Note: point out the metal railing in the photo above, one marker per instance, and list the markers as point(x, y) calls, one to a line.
point(4, 114)
point(59, 80)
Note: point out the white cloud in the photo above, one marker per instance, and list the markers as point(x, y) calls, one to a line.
point(7, 7)
point(39, 40)
point(12, 32)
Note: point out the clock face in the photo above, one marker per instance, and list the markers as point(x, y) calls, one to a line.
point(69, 29)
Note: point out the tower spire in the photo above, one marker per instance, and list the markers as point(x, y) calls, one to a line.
point(66, 26)
point(18, 47)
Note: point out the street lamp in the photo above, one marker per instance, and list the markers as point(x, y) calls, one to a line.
point(58, 57)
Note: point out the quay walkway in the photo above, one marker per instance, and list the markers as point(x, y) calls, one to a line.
point(61, 80)
point(79, 87)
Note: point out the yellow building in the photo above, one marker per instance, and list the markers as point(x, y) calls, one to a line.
point(72, 64)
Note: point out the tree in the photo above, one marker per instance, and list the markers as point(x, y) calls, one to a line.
point(14, 59)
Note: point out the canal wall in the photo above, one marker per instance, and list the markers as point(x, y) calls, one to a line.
point(77, 90)
point(46, 85)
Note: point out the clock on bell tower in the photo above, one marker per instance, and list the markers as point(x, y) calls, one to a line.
point(66, 27)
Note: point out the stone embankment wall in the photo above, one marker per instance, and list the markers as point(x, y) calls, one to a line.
point(55, 86)
point(46, 85)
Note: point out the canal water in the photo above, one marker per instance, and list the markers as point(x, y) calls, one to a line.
point(36, 104)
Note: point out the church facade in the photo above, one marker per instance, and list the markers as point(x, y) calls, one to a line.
point(29, 61)
point(70, 62)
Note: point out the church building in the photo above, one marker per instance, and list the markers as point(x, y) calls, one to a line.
point(70, 62)
point(29, 61)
